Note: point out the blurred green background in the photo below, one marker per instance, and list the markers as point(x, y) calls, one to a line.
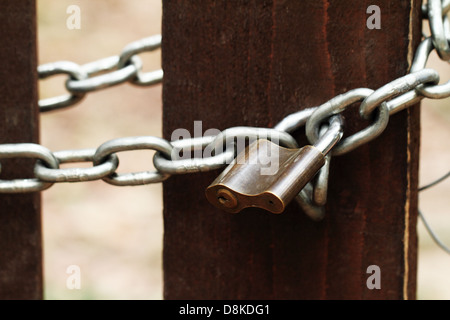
point(115, 234)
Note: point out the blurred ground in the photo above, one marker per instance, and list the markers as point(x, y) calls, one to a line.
point(115, 234)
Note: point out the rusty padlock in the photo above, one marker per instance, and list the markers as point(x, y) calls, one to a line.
point(249, 182)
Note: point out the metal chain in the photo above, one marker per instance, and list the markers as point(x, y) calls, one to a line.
point(100, 74)
point(439, 26)
point(219, 150)
point(403, 89)
point(105, 160)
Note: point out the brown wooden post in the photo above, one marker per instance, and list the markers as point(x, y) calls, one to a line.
point(20, 220)
point(230, 63)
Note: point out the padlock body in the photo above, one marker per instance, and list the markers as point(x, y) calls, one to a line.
point(253, 181)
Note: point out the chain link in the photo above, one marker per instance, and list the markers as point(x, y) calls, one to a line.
point(131, 144)
point(57, 68)
point(134, 48)
point(445, 8)
point(396, 88)
point(104, 169)
point(429, 91)
point(440, 27)
point(107, 80)
point(336, 106)
point(26, 150)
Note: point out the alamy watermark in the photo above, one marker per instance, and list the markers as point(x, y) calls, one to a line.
point(267, 155)
point(73, 21)
point(73, 281)
point(374, 280)
point(374, 20)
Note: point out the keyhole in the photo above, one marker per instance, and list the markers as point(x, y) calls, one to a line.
point(223, 200)
point(226, 198)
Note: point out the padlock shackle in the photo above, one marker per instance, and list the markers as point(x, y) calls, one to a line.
point(332, 135)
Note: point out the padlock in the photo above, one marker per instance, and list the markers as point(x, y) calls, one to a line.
point(249, 182)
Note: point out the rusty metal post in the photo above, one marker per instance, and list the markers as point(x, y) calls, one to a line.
point(20, 220)
point(230, 63)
